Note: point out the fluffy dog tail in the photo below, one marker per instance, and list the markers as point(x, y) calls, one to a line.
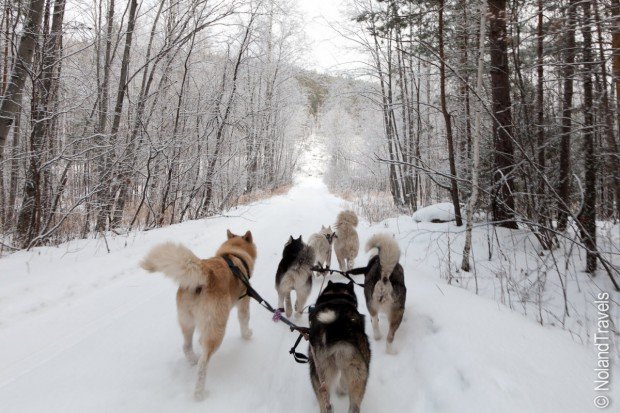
point(177, 262)
point(327, 316)
point(388, 251)
point(348, 217)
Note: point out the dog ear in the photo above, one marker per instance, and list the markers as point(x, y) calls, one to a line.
point(299, 238)
point(322, 227)
point(350, 286)
point(229, 234)
point(248, 236)
point(329, 282)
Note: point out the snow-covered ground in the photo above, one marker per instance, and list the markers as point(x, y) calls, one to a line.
point(84, 329)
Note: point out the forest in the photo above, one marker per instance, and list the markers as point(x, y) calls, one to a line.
point(134, 115)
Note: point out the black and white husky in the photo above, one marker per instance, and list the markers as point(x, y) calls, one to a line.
point(384, 285)
point(294, 273)
point(338, 345)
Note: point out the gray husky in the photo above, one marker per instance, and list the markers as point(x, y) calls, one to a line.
point(338, 345)
point(321, 242)
point(384, 285)
point(294, 273)
point(346, 243)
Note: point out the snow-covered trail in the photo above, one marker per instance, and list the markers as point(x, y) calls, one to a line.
point(82, 329)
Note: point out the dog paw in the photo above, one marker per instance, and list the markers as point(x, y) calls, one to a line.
point(246, 334)
point(389, 349)
point(192, 358)
point(377, 335)
point(200, 395)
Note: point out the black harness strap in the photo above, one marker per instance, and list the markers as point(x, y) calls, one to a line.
point(243, 262)
point(251, 292)
point(299, 357)
point(345, 274)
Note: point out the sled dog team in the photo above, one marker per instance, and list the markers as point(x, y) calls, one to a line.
point(339, 347)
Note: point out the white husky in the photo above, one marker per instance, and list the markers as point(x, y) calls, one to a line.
point(347, 243)
point(321, 242)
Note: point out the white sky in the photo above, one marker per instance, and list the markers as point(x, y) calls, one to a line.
point(328, 51)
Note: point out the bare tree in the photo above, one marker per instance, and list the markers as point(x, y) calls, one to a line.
point(9, 105)
point(454, 190)
point(503, 173)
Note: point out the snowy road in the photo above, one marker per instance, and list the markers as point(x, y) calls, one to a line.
point(82, 329)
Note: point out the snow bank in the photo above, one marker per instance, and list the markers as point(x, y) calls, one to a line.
point(442, 212)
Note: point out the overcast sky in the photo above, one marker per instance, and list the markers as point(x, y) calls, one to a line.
point(328, 51)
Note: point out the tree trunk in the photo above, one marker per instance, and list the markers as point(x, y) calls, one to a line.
point(587, 216)
point(476, 143)
point(9, 105)
point(31, 213)
point(564, 189)
point(615, 46)
point(15, 149)
point(102, 144)
point(454, 190)
point(613, 160)
point(107, 194)
point(543, 213)
point(503, 171)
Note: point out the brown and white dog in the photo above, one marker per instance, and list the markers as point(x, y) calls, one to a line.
point(208, 290)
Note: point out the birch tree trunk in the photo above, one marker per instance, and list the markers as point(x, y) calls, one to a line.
point(471, 205)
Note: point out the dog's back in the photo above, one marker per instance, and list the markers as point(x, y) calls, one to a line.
point(321, 243)
point(396, 279)
point(294, 273)
point(346, 242)
point(384, 285)
point(296, 256)
point(338, 345)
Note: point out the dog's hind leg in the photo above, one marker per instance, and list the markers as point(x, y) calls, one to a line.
point(350, 263)
point(374, 319)
point(341, 262)
point(187, 324)
point(356, 377)
point(395, 318)
point(288, 307)
point(243, 313)
point(188, 335)
point(303, 292)
point(321, 383)
point(211, 336)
